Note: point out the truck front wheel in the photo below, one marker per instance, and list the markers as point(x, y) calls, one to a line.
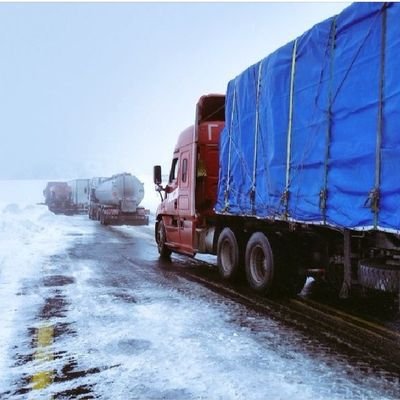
point(161, 238)
point(259, 263)
point(228, 255)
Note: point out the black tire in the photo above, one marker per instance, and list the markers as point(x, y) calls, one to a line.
point(228, 255)
point(161, 238)
point(259, 263)
point(103, 218)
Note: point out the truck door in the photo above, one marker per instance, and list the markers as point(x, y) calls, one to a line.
point(178, 217)
point(185, 200)
point(171, 218)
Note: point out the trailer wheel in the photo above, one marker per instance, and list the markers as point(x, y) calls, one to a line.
point(103, 218)
point(228, 255)
point(161, 238)
point(259, 263)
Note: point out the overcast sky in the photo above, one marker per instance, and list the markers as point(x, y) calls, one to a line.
point(95, 89)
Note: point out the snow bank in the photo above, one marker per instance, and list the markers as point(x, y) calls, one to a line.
point(28, 234)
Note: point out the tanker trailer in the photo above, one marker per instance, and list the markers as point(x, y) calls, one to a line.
point(116, 201)
point(58, 198)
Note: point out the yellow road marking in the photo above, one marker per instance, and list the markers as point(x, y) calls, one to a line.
point(343, 316)
point(41, 380)
point(44, 339)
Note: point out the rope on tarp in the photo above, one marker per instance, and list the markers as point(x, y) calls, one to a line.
point(228, 175)
point(324, 191)
point(285, 195)
point(374, 195)
point(256, 133)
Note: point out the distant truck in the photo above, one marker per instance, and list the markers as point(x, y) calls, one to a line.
point(294, 172)
point(58, 198)
point(115, 200)
point(80, 194)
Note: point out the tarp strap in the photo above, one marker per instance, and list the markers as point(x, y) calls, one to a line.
point(324, 191)
point(228, 178)
point(256, 133)
point(375, 192)
point(373, 201)
point(285, 195)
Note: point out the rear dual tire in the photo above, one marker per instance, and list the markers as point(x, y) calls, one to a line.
point(259, 262)
point(229, 258)
point(103, 218)
point(271, 265)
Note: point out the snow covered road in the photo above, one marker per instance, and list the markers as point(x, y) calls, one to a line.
point(91, 312)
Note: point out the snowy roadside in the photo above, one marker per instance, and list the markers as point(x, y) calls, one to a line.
point(28, 235)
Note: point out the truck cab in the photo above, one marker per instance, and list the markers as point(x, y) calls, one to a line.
point(182, 218)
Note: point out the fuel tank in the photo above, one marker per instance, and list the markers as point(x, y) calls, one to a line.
point(122, 190)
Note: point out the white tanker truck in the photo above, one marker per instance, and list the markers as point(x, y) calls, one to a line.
point(115, 200)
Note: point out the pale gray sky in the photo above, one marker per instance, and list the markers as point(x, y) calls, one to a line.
point(100, 88)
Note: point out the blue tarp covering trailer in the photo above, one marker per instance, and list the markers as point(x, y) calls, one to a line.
point(312, 131)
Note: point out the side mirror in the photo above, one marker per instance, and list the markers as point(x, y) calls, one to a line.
point(157, 175)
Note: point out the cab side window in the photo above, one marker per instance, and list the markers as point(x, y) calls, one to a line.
point(174, 170)
point(184, 169)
